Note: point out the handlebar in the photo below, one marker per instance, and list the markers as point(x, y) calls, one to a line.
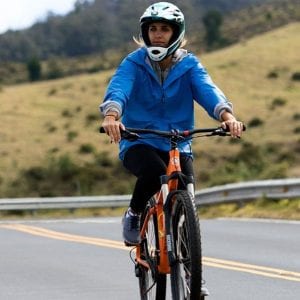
point(132, 134)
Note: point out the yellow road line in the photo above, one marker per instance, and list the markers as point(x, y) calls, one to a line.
point(65, 236)
point(252, 271)
point(208, 261)
point(251, 267)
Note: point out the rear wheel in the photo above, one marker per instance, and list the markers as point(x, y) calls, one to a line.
point(186, 272)
point(152, 284)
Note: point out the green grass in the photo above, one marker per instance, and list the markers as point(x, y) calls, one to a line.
point(261, 208)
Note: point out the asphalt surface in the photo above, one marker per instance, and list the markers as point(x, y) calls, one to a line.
point(85, 259)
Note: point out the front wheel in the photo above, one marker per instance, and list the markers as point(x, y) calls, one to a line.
point(186, 271)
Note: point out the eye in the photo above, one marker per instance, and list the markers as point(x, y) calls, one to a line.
point(166, 28)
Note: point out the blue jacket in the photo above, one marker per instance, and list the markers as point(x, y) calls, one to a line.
point(137, 94)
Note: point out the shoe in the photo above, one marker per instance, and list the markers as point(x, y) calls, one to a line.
point(204, 290)
point(131, 228)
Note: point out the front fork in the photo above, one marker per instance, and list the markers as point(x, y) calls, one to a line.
point(163, 210)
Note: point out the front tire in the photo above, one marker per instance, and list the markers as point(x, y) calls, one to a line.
point(186, 271)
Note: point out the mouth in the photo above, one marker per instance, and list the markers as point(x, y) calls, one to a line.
point(159, 44)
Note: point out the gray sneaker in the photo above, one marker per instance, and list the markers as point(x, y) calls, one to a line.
point(131, 228)
point(204, 290)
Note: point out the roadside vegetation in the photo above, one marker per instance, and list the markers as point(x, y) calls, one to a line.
point(50, 144)
point(284, 209)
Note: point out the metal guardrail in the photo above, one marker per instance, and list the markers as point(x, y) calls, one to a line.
point(236, 192)
point(251, 190)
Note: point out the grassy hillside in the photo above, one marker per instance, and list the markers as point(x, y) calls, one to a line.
point(49, 129)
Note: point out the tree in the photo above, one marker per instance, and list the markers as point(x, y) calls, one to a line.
point(34, 69)
point(213, 20)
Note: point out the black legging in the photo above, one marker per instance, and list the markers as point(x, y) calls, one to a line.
point(148, 164)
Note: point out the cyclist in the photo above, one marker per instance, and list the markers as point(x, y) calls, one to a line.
point(155, 87)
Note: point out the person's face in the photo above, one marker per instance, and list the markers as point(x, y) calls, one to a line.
point(160, 34)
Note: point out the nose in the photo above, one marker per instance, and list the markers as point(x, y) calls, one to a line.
point(158, 33)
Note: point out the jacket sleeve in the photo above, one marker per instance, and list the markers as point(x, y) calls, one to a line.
point(207, 94)
point(119, 88)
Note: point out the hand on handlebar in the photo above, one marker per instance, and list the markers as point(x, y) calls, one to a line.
point(234, 127)
point(112, 128)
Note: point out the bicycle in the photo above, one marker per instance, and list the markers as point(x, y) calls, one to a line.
point(169, 229)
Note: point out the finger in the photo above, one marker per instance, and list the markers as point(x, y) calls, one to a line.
point(223, 125)
point(239, 129)
point(115, 133)
point(235, 129)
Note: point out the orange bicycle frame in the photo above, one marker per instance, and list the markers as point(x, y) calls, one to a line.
point(160, 198)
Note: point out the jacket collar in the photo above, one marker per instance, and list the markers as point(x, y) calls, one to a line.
point(184, 62)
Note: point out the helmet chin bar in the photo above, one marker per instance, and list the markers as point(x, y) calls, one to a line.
point(157, 53)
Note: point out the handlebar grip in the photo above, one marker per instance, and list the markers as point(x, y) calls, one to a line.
point(227, 128)
point(125, 134)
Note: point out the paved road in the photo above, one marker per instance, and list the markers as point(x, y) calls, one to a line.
point(84, 259)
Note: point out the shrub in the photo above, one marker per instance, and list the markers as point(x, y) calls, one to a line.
point(52, 128)
point(277, 102)
point(71, 135)
point(65, 167)
point(103, 160)
point(86, 149)
point(296, 76)
point(251, 162)
point(90, 118)
point(255, 122)
point(53, 150)
point(36, 173)
point(272, 74)
point(66, 113)
point(52, 92)
point(296, 116)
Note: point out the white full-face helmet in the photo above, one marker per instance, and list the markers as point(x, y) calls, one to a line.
point(168, 13)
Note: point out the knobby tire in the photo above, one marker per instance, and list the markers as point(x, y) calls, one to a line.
point(186, 271)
